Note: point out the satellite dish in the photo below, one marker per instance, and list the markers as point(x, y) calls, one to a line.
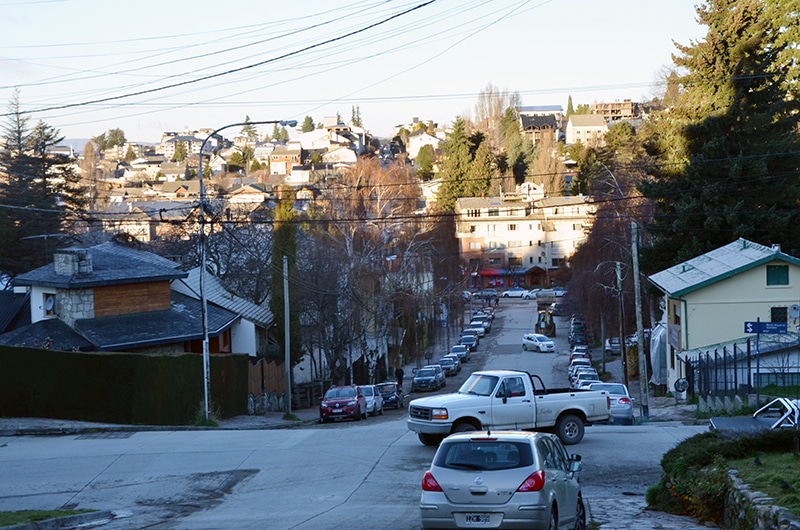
point(681, 385)
point(794, 310)
point(49, 303)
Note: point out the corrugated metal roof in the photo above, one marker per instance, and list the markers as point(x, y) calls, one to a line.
point(716, 265)
point(218, 295)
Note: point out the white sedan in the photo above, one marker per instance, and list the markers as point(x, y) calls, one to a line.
point(535, 341)
point(514, 292)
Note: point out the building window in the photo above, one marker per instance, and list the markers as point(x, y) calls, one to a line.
point(530, 259)
point(472, 229)
point(473, 213)
point(777, 275)
point(511, 228)
point(474, 245)
point(495, 261)
point(493, 244)
point(494, 212)
point(514, 261)
point(779, 314)
point(540, 242)
point(558, 262)
point(514, 244)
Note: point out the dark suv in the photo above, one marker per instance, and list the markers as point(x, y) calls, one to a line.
point(425, 379)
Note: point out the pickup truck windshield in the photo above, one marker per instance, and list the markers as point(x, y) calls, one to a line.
point(478, 384)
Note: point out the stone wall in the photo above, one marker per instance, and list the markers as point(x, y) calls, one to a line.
point(746, 509)
point(74, 304)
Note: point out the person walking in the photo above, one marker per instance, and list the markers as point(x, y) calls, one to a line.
point(398, 374)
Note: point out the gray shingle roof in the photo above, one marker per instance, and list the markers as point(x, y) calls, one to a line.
point(716, 265)
point(112, 264)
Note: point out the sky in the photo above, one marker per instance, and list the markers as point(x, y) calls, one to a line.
point(146, 67)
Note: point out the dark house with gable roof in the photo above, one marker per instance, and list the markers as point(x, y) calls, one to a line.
point(112, 297)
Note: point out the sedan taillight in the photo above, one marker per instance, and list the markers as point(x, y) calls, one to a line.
point(624, 401)
point(429, 483)
point(534, 482)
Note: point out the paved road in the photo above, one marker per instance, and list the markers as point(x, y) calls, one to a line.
point(356, 475)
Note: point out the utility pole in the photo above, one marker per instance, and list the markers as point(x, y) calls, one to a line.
point(286, 335)
point(622, 350)
point(644, 393)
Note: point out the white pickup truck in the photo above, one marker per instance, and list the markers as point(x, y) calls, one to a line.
point(507, 400)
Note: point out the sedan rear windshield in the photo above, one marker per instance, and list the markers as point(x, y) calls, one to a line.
point(484, 455)
point(426, 372)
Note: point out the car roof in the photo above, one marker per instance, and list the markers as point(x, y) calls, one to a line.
point(500, 435)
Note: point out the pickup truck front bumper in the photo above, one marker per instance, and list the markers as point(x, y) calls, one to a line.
point(428, 427)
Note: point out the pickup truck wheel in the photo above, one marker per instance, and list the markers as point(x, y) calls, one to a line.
point(570, 429)
point(430, 439)
point(465, 427)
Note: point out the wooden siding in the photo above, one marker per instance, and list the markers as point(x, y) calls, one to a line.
point(267, 376)
point(132, 298)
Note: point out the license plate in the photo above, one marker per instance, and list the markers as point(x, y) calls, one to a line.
point(477, 518)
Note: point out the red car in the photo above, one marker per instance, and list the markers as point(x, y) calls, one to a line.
point(343, 402)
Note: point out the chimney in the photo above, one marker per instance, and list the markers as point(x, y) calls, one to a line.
point(73, 261)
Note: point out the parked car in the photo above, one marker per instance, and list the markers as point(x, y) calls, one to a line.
point(448, 366)
point(484, 320)
point(580, 350)
point(576, 363)
point(343, 402)
point(470, 341)
point(578, 338)
point(535, 341)
point(477, 326)
point(584, 379)
point(514, 292)
point(462, 352)
point(502, 479)
point(531, 294)
point(621, 401)
point(439, 373)
point(425, 379)
point(612, 346)
point(374, 399)
point(392, 395)
point(455, 360)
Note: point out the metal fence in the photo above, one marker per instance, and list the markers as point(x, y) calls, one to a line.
point(737, 369)
point(726, 371)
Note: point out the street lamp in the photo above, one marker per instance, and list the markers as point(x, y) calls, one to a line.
point(203, 301)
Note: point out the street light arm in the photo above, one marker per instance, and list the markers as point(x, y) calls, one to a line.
point(203, 300)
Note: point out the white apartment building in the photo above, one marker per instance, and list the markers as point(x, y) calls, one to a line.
point(520, 240)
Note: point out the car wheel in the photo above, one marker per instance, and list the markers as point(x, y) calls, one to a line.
point(380, 411)
point(541, 349)
point(569, 429)
point(366, 414)
point(524, 348)
point(580, 515)
point(358, 415)
point(553, 523)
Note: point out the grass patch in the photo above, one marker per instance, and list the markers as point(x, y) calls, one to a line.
point(776, 476)
point(32, 516)
point(291, 417)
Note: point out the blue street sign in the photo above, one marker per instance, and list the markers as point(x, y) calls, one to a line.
point(765, 327)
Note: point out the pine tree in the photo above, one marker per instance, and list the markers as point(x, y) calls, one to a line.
point(729, 149)
point(180, 152)
point(455, 168)
point(248, 129)
point(284, 243)
point(42, 195)
point(355, 116)
point(308, 124)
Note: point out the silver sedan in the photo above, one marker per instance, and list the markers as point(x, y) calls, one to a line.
point(621, 401)
point(537, 342)
point(502, 479)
